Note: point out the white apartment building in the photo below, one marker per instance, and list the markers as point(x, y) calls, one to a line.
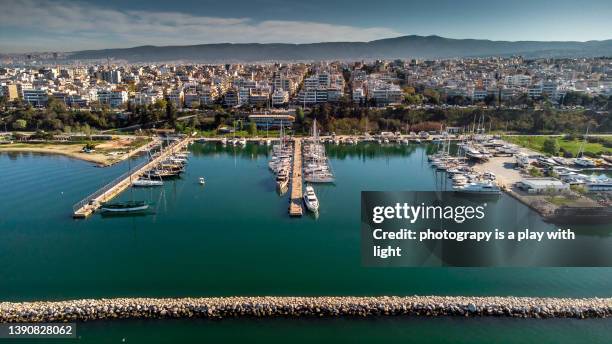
point(358, 95)
point(385, 94)
point(176, 97)
point(518, 80)
point(145, 98)
point(280, 97)
point(114, 98)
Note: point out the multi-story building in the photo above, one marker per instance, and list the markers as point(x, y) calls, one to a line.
point(176, 97)
point(280, 97)
point(36, 97)
point(232, 97)
point(385, 94)
point(10, 92)
point(112, 98)
point(358, 95)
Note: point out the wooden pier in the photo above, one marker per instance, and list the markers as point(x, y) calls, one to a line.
point(295, 203)
point(92, 202)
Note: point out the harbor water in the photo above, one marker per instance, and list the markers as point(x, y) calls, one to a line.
point(232, 236)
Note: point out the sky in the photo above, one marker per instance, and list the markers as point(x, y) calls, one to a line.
point(69, 25)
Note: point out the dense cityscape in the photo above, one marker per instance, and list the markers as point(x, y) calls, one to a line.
point(126, 94)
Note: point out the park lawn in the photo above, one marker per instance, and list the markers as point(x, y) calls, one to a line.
point(537, 142)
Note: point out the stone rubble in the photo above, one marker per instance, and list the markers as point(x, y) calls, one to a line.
point(222, 307)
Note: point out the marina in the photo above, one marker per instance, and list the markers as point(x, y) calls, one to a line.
point(143, 251)
point(96, 200)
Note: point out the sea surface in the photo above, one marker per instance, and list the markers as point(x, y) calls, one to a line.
point(232, 236)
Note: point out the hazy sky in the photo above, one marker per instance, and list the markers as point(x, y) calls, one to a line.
point(64, 25)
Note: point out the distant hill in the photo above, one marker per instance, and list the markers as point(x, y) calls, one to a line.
point(399, 47)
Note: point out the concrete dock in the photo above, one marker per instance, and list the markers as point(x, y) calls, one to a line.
point(295, 203)
point(92, 202)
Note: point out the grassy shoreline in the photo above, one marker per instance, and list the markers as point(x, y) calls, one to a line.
point(572, 146)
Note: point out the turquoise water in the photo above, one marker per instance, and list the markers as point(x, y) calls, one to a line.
point(343, 330)
point(233, 237)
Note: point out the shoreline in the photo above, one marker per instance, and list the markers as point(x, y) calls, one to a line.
point(292, 307)
point(97, 158)
point(102, 162)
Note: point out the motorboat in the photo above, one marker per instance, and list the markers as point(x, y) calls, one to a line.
point(201, 181)
point(310, 199)
point(282, 179)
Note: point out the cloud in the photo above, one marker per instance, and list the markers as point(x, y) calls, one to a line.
point(61, 25)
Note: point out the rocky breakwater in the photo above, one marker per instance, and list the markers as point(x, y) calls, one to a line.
point(222, 307)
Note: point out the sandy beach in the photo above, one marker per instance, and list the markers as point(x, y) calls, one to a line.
point(106, 153)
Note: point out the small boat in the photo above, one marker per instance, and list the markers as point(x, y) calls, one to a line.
point(125, 207)
point(147, 182)
point(242, 142)
point(201, 181)
point(311, 200)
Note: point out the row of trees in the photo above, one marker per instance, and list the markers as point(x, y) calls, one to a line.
point(548, 120)
point(340, 118)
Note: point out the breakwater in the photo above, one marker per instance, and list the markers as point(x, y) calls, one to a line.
point(222, 307)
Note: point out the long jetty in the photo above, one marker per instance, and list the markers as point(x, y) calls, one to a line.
point(295, 203)
point(91, 203)
point(310, 307)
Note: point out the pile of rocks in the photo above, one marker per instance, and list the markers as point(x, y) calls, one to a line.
point(220, 307)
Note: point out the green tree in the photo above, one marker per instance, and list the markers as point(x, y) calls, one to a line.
point(299, 114)
point(252, 130)
point(171, 114)
point(20, 124)
point(551, 146)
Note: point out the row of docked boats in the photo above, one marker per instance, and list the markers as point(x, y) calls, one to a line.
point(280, 162)
point(242, 142)
point(173, 165)
point(170, 167)
point(464, 178)
point(316, 166)
point(233, 141)
point(573, 177)
point(522, 160)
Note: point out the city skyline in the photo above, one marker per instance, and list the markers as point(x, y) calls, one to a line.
point(51, 25)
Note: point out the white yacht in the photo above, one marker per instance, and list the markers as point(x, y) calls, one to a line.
point(483, 188)
point(522, 160)
point(282, 179)
point(310, 199)
point(584, 162)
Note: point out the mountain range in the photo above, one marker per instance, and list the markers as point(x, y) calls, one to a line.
point(424, 47)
